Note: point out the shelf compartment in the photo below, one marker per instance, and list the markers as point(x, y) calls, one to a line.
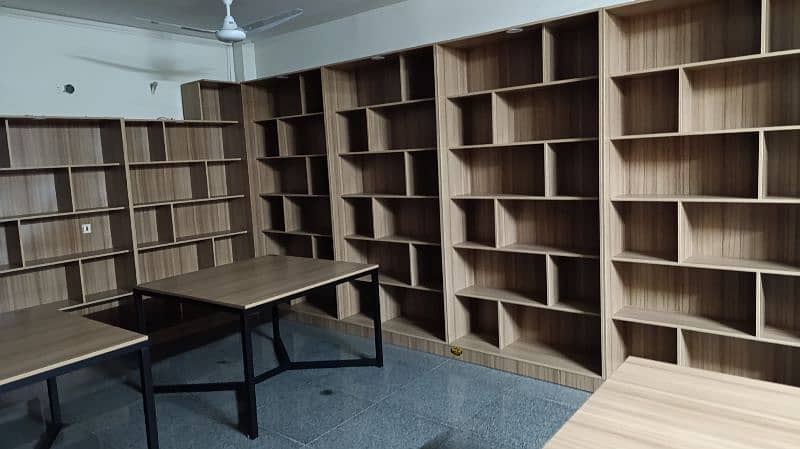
point(714, 301)
point(289, 245)
point(574, 285)
point(374, 174)
point(473, 221)
point(35, 192)
point(412, 313)
point(213, 217)
point(571, 48)
point(400, 218)
point(645, 104)
point(50, 240)
point(318, 176)
point(232, 249)
point(666, 33)
point(153, 226)
point(518, 278)
point(274, 97)
point(740, 357)
point(175, 260)
point(5, 155)
point(368, 82)
point(553, 112)
point(495, 61)
point(301, 135)
point(103, 276)
point(145, 142)
point(642, 340)
point(226, 179)
point(761, 88)
point(156, 184)
point(722, 165)
point(393, 258)
point(283, 176)
point(746, 235)
point(352, 131)
point(10, 246)
point(266, 139)
point(783, 18)
point(569, 226)
point(573, 169)
point(272, 213)
point(426, 264)
point(311, 91)
point(417, 74)
point(517, 170)
point(470, 121)
point(782, 164)
point(551, 338)
point(647, 231)
point(98, 188)
point(422, 173)
point(358, 218)
point(198, 140)
point(41, 286)
point(35, 142)
point(476, 323)
point(312, 215)
point(781, 308)
point(323, 247)
point(404, 126)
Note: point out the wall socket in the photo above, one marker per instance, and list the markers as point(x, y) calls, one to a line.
point(86, 228)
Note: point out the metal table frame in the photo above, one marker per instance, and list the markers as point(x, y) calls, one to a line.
point(53, 428)
point(247, 389)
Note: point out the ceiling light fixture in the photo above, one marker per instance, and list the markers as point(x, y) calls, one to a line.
point(378, 58)
point(514, 30)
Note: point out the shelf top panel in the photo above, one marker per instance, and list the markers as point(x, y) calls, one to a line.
point(255, 282)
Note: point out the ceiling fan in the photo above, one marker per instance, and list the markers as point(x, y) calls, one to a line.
point(230, 31)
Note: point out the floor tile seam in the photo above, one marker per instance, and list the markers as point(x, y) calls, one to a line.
point(357, 414)
point(565, 404)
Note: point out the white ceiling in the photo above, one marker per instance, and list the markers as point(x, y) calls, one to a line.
point(199, 13)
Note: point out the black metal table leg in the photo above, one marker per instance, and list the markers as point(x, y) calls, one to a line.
point(141, 324)
point(377, 319)
point(249, 387)
point(54, 426)
point(146, 375)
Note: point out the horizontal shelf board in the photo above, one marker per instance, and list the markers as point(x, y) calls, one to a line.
point(108, 295)
point(392, 282)
point(709, 132)
point(685, 199)
point(405, 326)
point(513, 196)
point(534, 352)
point(289, 156)
point(360, 319)
point(58, 167)
point(384, 152)
point(288, 117)
point(712, 63)
point(191, 239)
point(683, 321)
point(387, 195)
point(513, 297)
point(392, 104)
point(297, 232)
point(32, 217)
point(296, 195)
point(751, 265)
point(188, 201)
point(579, 307)
point(66, 259)
point(636, 257)
point(391, 239)
point(185, 162)
point(309, 308)
point(781, 336)
point(527, 249)
point(185, 122)
point(525, 87)
point(512, 145)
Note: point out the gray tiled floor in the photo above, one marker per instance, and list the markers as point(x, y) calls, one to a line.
point(417, 400)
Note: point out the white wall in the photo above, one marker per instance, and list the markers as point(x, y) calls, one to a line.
point(111, 67)
point(402, 25)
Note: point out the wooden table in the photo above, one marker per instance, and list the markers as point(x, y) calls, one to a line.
point(248, 287)
point(647, 404)
point(42, 343)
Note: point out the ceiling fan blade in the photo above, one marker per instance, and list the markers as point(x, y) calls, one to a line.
point(175, 25)
point(273, 21)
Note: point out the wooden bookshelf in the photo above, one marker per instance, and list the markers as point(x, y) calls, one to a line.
point(700, 185)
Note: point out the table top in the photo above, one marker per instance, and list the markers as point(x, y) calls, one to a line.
point(255, 282)
point(40, 339)
point(647, 404)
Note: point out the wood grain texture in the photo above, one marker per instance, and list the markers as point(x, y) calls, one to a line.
point(648, 404)
point(251, 283)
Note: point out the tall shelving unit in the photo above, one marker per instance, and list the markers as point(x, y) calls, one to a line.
point(381, 121)
point(520, 147)
point(57, 175)
point(701, 185)
point(285, 128)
